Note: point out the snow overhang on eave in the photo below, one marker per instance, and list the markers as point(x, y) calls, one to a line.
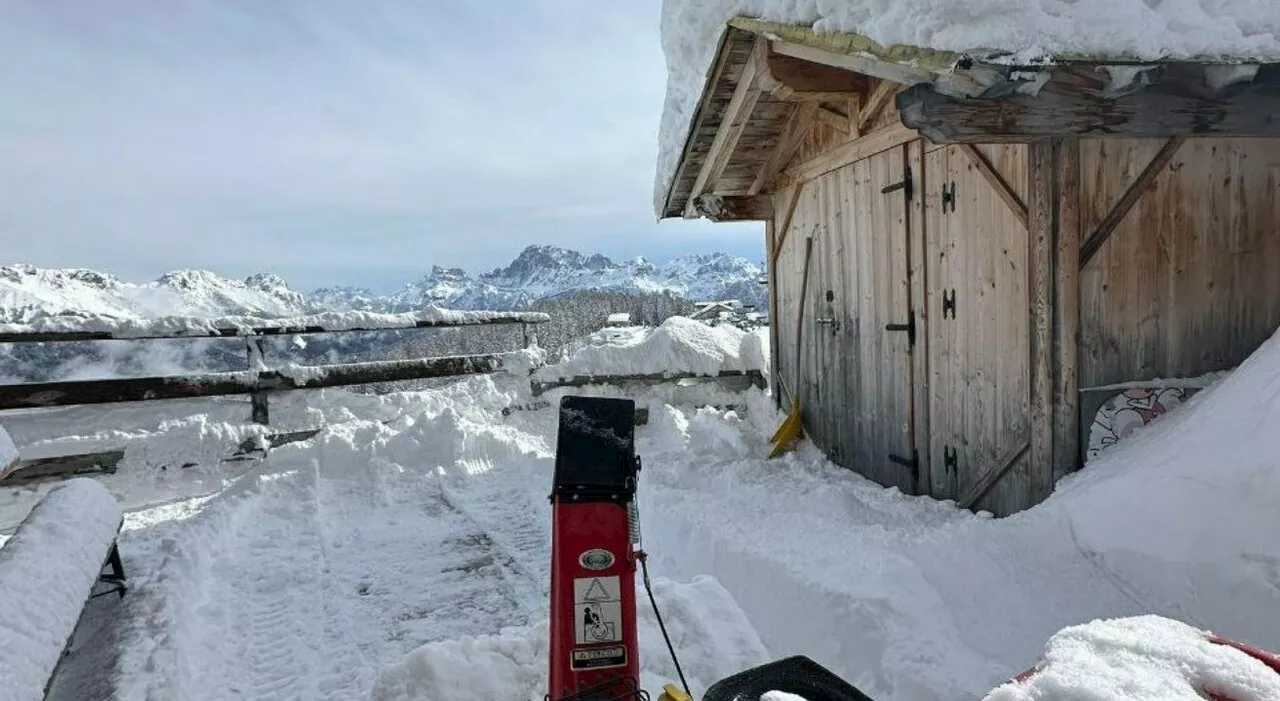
point(949, 75)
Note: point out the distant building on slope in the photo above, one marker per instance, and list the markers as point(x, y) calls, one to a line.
point(989, 241)
point(618, 319)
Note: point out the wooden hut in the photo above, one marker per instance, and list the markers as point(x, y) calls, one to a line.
point(991, 243)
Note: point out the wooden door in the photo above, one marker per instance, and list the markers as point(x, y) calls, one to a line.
point(867, 284)
point(979, 325)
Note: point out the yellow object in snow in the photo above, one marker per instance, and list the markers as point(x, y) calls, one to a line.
point(788, 432)
point(671, 692)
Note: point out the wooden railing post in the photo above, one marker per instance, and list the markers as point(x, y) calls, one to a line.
point(257, 363)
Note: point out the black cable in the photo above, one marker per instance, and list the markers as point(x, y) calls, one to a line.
point(648, 587)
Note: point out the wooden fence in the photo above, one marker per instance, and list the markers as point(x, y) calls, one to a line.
point(258, 382)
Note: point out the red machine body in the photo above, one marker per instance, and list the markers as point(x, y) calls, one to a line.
point(594, 652)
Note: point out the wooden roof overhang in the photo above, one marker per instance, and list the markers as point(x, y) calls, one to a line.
point(769, 77)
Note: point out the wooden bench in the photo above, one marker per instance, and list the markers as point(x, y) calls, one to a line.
point(63, 554)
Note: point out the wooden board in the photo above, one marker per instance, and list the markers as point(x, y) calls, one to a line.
point(978, 359)
point(857, 373)
point(1187, 282)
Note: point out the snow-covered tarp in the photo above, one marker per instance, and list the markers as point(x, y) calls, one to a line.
point(1134, 30)
point(181, 326)
point(1143, 658)
point(47, 570)
point(679, 346)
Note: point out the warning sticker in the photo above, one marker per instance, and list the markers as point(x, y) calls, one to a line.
point(595, 657)
point(597, 610)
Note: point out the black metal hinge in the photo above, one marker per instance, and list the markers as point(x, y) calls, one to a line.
point(949, 303)
point(949, 197)
point(913, 463)
point(949, 459)
point(909, 327)
point(906, 184)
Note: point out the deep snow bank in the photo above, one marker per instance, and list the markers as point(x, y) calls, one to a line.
point(1144, 658)
point(710, 632)
point(912, 599)
point(679, 345)
point(47, 570)
point(1027, 31)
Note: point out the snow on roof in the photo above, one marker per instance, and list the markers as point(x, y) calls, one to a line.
point(180, 326)
point(1144, 658)
point(1132, 30)
point(47, 570)
point(619, 318)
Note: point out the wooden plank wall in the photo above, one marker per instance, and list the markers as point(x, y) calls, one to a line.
point(1188, 282)
point(979, 372)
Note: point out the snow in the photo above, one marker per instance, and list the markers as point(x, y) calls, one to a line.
point(402, 552)
point(132, 327)
point(1144, 658)
point(711, 634)
point(619, 319)
point(679, 345)
point(923, 601)
point(47, 570)
point(8, 451)
point(1017, 30)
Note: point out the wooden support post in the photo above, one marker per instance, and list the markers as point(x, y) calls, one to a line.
point(770, 241)
point(1066, 298)
point(258, 399)
point(1042, 160)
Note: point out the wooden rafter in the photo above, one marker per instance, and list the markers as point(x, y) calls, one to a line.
point(1136, 190)
point(734, 122)
point(846, 153)
point(997, 181)
point(794, 79)
point(835, 120)
point(793, 134)
point(876, 103)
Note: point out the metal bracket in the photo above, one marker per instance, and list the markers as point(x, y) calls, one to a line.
point(950, 459)
point(909, 327)
point(949, 197)
point(949, 303)
point(906, 184)
point(912, 463)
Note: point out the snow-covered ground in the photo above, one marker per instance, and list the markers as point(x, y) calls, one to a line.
point(402, 553)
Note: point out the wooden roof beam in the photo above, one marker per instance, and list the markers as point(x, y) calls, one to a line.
point(731, 208)
point(795, 79)
point(734, 122)
point(792, 138)
point(1068, 107)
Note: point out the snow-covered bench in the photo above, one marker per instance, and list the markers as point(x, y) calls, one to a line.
point(48, 571)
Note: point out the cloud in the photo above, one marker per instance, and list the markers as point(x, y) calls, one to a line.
point(323, 137)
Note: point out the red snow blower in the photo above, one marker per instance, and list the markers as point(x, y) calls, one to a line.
point(595, 547)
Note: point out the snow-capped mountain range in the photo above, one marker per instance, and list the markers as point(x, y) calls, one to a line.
point(539, 272)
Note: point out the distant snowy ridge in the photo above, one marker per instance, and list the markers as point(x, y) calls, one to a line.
point(28, 294)
point(543, 272)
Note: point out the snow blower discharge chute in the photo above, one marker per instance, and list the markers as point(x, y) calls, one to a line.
point(595, 548)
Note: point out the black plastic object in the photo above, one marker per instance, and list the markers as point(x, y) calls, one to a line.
point(595, 450)
point(795, 675)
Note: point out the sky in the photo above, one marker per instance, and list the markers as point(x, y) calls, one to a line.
point(332, 141)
